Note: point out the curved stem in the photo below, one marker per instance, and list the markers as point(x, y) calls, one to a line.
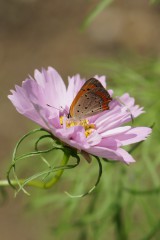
point(33, 183)
point(14, 156)
point(57, 176)
point(37, 183)
point(98, 180)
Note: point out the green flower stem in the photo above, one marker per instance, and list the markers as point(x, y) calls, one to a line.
point(57, 176)
point(40, 184)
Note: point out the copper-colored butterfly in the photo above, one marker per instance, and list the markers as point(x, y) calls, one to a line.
point(91, 99)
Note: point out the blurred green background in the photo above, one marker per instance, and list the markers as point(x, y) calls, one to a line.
point(120, 39)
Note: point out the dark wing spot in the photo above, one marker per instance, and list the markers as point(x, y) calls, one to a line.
point(86, 107)
point(77, 110)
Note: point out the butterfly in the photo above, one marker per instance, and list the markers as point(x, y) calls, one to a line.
point(91, 99)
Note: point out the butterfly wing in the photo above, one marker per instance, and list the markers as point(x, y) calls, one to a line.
point(92, 98)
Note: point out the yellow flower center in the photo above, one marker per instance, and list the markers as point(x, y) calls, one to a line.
point(88, 127)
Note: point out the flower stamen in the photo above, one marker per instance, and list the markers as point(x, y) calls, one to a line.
point(88, 127)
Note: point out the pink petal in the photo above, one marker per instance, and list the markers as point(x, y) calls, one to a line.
point(73, 136)
point(104, 152)
point(54, 88)
point(115, 131)
point(125, 156)
point(94, 138)
point(127, 100)
point(74, 85)
point(118, 155)
point(133, 135)
point(32, 98)
point(110, 143)
point(112, 121)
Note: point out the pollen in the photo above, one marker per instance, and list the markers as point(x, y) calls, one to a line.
point(88, 127)
point(88, 131)
point(61, 120)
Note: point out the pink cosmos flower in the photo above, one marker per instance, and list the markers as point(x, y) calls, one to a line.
point(102, 135)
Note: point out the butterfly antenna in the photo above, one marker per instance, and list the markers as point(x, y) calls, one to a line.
point(54, 107)
point(128, 109)
point(62, 109)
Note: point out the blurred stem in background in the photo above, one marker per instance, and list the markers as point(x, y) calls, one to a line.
point(99, 8)
point(118, 217)
point(95, 12)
